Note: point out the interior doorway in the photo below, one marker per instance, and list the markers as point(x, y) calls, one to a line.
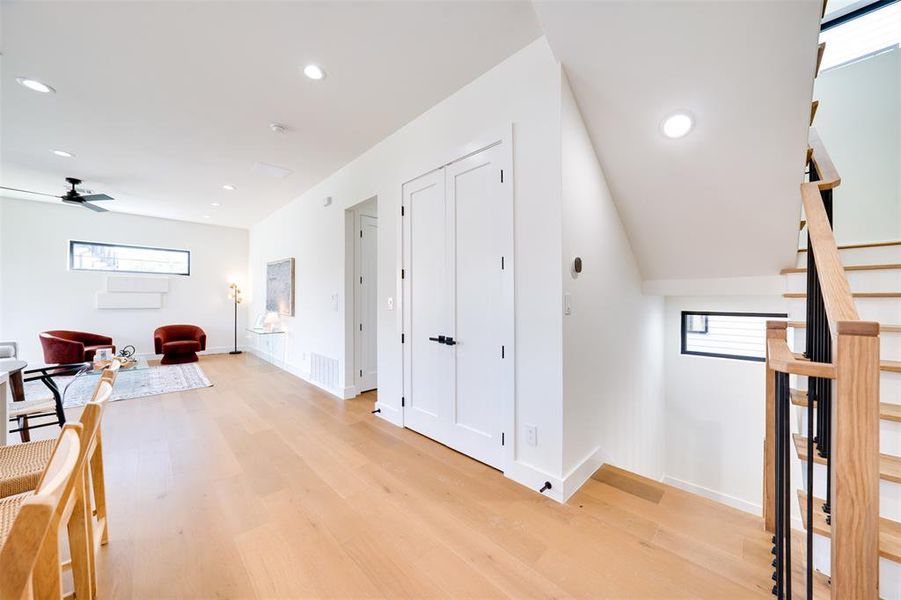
point(364, 286)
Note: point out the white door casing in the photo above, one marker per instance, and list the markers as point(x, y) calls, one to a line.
point(459, 283)
point(366, 303)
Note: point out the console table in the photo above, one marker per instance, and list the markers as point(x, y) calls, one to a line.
point(266, 342)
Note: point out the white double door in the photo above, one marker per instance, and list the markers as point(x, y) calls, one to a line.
point(458, 287)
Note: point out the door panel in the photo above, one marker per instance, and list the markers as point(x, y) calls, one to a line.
point(474, 189)
point(368, 338)
point(429, 305)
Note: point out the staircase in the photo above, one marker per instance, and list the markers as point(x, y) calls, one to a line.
point(873, 272)
point(832, 453)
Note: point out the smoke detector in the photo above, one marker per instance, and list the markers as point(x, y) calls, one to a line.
point(277, 128)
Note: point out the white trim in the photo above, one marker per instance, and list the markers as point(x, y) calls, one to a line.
point(534, 478)
point(502, 136)
point(582, 472)
point(743, 505)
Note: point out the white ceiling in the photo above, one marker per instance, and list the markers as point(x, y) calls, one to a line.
point(164, 102)
point(723, 201)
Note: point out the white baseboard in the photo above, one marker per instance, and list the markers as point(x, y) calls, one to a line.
point(582, 472)
point(208, 351)
point(392, 414)
point(743, 505)
point(534, 478)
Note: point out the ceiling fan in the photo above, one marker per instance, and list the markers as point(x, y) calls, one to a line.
point(72, 196)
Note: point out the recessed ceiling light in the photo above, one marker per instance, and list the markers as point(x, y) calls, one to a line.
point(215, 204)
point(206, 216)
point(229, 187)
point(63, 153)
point(677, 125)
point(314, 72)
point(34, 84)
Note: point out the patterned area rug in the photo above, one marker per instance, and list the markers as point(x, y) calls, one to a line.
point(162, 379)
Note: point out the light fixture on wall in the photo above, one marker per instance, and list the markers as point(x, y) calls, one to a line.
point(63, 153)
point(314, 72)
point(215, 204)
point(229, 187)
point(35, 85)
point(234, 294)
point(677, 125)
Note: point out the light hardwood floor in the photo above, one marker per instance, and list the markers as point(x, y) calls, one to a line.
point(264, 486)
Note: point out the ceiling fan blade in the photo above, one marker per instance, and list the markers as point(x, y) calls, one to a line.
point(93, 207)
point(97, 198)
point(27, 191)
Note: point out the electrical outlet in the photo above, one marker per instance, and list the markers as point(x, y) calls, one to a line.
point(531, 435)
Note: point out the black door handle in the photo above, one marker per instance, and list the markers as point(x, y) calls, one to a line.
point(440, 339)
point(450, 341)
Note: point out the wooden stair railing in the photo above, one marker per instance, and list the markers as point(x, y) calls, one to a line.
point(842, 362)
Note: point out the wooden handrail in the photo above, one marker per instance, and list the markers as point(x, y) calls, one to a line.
point(781, 359)
point(837, 296)
point(829, 177)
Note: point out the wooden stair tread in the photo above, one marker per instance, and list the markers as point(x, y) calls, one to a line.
point(867, 245)
point(887, 410)
point(882, 328)
point(889, 466)
point(874, 267)
point(889, 531)
point(802, 295)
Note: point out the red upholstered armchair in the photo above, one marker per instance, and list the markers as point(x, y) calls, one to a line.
point(62, 347)
point(178, 343)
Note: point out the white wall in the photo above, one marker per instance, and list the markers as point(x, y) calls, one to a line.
point(612, 340)
point(40, 293)
point(523, 90)
point(859, 119)
point(715, 410)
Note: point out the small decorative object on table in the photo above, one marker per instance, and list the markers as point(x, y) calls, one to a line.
point(234, 294)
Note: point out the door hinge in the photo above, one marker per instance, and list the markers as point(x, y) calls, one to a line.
point(402, 402)
point(502, 438)
point(361, 280)
point(401, 211)
point(361, 327)
point(502, 352)
point(502, 263)
point(402, 274)
point(361, 372)
point(502, 176)
point(361, 233)
point(401, 338)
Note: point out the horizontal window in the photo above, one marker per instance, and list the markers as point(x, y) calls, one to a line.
point(97, 256)
point(860, 30)
point(726, 334)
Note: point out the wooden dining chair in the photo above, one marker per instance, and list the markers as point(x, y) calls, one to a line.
point(85, 512)
point(29, 526)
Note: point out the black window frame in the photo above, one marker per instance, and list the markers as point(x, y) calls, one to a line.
point(703, 313)
point(72, 266)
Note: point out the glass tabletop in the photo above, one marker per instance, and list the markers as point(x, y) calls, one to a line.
point(138, 365)
point(265, 332)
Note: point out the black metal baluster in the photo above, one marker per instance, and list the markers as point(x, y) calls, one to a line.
point(784, 401)
point(810, 451)
point(778, 537)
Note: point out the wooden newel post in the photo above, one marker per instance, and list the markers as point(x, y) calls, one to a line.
point(774, 330)
point(855, 462)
